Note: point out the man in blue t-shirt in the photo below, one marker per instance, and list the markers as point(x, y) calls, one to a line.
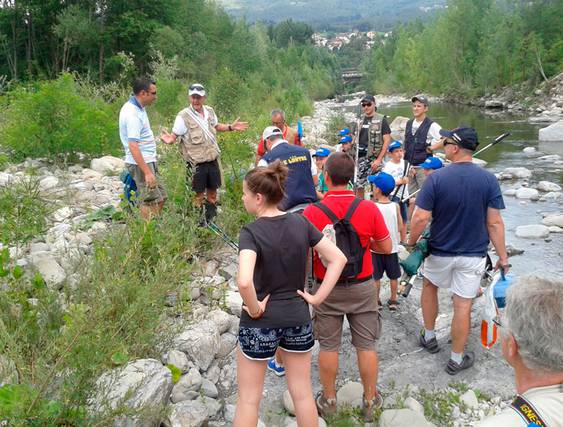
point(464, 202)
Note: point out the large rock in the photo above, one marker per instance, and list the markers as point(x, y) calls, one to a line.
point(8, 371)
point(399, 124)
point(228, 343)
point(469, 399)
point(107, 165)
point(527, 193)
point(533, 231)
point(552, 196)
point(350, 394)
point(553, 132)
point(234, 302)
point(221, 319)
point(141, 385)
point(556, 219)
point(208, 389)
point(412, 403)
point(200, 342)
point(188, 386)
point(49, 268)
point(547, 186)
point(402, 417)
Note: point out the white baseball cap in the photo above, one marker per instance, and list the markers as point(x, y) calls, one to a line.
point(196, 89)
point(271, 131)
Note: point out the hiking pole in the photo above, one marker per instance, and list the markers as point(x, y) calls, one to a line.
point(494, 142)
point(224, 236)
point(357, 156)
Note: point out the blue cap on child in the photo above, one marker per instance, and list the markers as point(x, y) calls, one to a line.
point(383, 181)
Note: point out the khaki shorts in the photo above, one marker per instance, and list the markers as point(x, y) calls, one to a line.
point(146, 195)
point(359, 303)
point(416, 181)
point(460, 273)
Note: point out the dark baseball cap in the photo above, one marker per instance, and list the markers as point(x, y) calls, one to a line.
point(420, 98)
point(465, 137)
point(368, 98)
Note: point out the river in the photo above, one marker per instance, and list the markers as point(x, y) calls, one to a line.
point(541, 255)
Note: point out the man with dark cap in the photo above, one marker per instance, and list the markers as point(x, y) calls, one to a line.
point(373, 140)
point(422, 136)
point(464, 202)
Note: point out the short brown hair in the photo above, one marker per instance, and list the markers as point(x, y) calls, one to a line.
point(340, 168)
point(268, 181)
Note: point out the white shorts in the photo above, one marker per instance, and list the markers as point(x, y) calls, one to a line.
point(460, 273)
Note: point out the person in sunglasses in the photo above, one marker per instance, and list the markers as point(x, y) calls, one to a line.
point(197, 126)
point(373, 139)
point(140, 147)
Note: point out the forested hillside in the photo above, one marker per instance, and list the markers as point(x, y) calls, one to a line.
point(474, 46)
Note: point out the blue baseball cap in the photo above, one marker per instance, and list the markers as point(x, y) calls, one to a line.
point(345, 139)
point(344, 132)
point(463, 136)
point(432, 163)
point(383, 181)
point(322, 152)
point(394, 145)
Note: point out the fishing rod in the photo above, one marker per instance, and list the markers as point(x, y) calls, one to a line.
point(224, 236)
point(357, 141)
point(494, 142)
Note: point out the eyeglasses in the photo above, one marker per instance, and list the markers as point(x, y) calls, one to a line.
point(367, 104)
point(196, 87)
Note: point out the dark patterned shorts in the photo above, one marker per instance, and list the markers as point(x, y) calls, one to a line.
point(262, 343)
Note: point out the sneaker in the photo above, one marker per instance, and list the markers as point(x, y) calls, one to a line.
point(273, 366)
point(431, 345)
point(453, 368)
point(325, 407)
point(369, 406)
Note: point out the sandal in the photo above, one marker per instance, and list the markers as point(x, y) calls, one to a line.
point(325, 407)
point(392, 304)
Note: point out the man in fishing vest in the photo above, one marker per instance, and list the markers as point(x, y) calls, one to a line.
point(422, 137)
point(374, 138)
point(197, 127)
point(532, 343)
point(300, 186)
point(278, 120)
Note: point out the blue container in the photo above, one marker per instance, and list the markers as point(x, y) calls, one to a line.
point(501, 286)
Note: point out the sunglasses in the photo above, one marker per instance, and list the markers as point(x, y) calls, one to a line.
point(367, 104)
point(449, 143)
point(196, 87)
point(153, 93)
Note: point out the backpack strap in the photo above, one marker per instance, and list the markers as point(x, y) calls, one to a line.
point(528, 412)
point(352, 209)
point(330, 214)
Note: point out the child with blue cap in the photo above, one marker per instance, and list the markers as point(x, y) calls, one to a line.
point(382, 186)
point(320, 157)
point(345, 144)
point(396, 167)
point(430, 165)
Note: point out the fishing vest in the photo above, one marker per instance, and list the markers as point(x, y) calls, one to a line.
point(195, 145)
point(375, 141)
point(415, 145)
point(299, 186)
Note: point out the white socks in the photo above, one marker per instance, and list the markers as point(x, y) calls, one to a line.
point(457, 357)
point(428, 335)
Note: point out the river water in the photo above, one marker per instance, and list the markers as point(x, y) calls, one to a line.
point(541, 255)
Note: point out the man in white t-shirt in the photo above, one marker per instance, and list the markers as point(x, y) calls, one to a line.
point(197, 126)
point(532, 343)
point(422, 137)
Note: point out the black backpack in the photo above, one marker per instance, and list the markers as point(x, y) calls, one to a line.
point(347, 239)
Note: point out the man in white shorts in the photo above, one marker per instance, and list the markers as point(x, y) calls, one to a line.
point(464, 202)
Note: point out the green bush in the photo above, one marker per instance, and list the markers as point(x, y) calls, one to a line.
point(22, 212)
point(53, 119)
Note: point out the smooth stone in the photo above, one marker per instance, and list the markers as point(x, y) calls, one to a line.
point(517, 172)
point(179, 360)
point(511, 192)
point(555, 229)
point(107, 164)
point(221, 319)
point(552, 196)
point(556, 219)
point(533, 231)
point(185, 388)
point(529, 150)
point(48, 183)
point(49, 268)
point(548, 186)
point(553, 132)
point(350, 394)
point(208, 389)
point(469, 399)
point(414, 404)
point(402, 417)
point(527, 193)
